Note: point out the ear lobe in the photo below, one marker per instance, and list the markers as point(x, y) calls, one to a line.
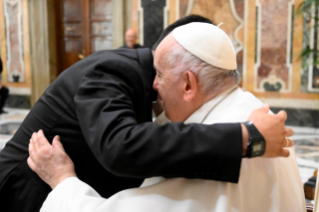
point(190, 86)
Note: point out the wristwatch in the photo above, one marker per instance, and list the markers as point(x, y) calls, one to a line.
point(256, 145)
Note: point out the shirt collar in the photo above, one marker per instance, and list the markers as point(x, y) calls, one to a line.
point(200, 113)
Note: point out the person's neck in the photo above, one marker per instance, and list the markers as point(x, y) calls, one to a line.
point(189, 108)
point(198, 102)
point(220, 92)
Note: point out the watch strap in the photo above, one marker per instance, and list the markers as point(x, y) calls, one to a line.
point(254, 137)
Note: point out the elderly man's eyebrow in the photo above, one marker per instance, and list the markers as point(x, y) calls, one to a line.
point(156, 70)
point(158, 73)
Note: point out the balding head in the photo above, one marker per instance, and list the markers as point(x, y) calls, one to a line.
point(130, 38)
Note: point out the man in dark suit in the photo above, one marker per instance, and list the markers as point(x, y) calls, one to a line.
point(101, 108)
point(131, 40)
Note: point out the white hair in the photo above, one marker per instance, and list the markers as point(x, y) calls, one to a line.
point(210, 78)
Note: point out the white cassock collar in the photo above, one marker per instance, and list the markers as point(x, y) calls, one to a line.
point(199, 115)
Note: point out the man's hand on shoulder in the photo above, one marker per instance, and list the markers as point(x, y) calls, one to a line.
point(273, 129)
point(50, 162)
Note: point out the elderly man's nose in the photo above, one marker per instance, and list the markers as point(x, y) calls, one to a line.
point(155, 83)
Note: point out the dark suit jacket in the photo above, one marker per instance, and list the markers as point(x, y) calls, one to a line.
point(136, 46)
point(101, 108)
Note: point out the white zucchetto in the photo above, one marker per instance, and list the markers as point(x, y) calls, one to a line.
point(207, 42)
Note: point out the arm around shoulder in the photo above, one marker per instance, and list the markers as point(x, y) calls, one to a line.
point(107, 115)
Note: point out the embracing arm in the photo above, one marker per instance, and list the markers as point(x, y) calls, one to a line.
point(106, 114)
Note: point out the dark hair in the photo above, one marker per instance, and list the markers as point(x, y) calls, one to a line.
point(183, 21)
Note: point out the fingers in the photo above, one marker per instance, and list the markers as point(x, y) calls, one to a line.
point(265, 107)
point(31, 147)
point(56, 143)
point(291, 142)
point(45, 146)
point(31, 164)
point(288, 132)
point(39, 148)
point(34, 140)
point(284, 153)
point(283, 115)
point(41, 139)
point(34, 154)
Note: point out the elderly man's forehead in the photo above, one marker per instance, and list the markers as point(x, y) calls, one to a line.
point(130, 32)
point(164, 46)
point(168, 39)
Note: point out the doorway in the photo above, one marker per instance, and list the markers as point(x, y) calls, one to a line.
point(82, 28)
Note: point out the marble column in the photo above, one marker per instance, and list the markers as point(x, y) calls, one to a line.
point(15, 61)
point(153, 20)
point(274, 46)
point(311, 42)
point(118, 23)
point(41, 46)
point(15, 51)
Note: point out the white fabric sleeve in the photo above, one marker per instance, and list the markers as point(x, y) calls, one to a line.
point(73, 195)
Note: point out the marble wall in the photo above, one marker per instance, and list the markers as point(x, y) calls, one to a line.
point(269, 38)
point(27, 40)
point(15, 49)
point(227, 13)
point(13, 25)
point(310, 74)
point(273, 46)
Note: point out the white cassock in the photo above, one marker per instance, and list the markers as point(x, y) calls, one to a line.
point(264, 184)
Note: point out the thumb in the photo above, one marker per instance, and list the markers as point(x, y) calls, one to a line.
point(265, 107)
point(56, 143)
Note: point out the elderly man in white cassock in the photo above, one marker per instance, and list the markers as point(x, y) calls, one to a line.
point(197, 82)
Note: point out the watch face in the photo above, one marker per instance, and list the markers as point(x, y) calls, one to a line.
point(258, 148)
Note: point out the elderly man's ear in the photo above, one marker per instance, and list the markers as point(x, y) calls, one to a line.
point(190, 86)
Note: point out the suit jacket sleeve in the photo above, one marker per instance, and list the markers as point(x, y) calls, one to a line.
point(105, 110)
